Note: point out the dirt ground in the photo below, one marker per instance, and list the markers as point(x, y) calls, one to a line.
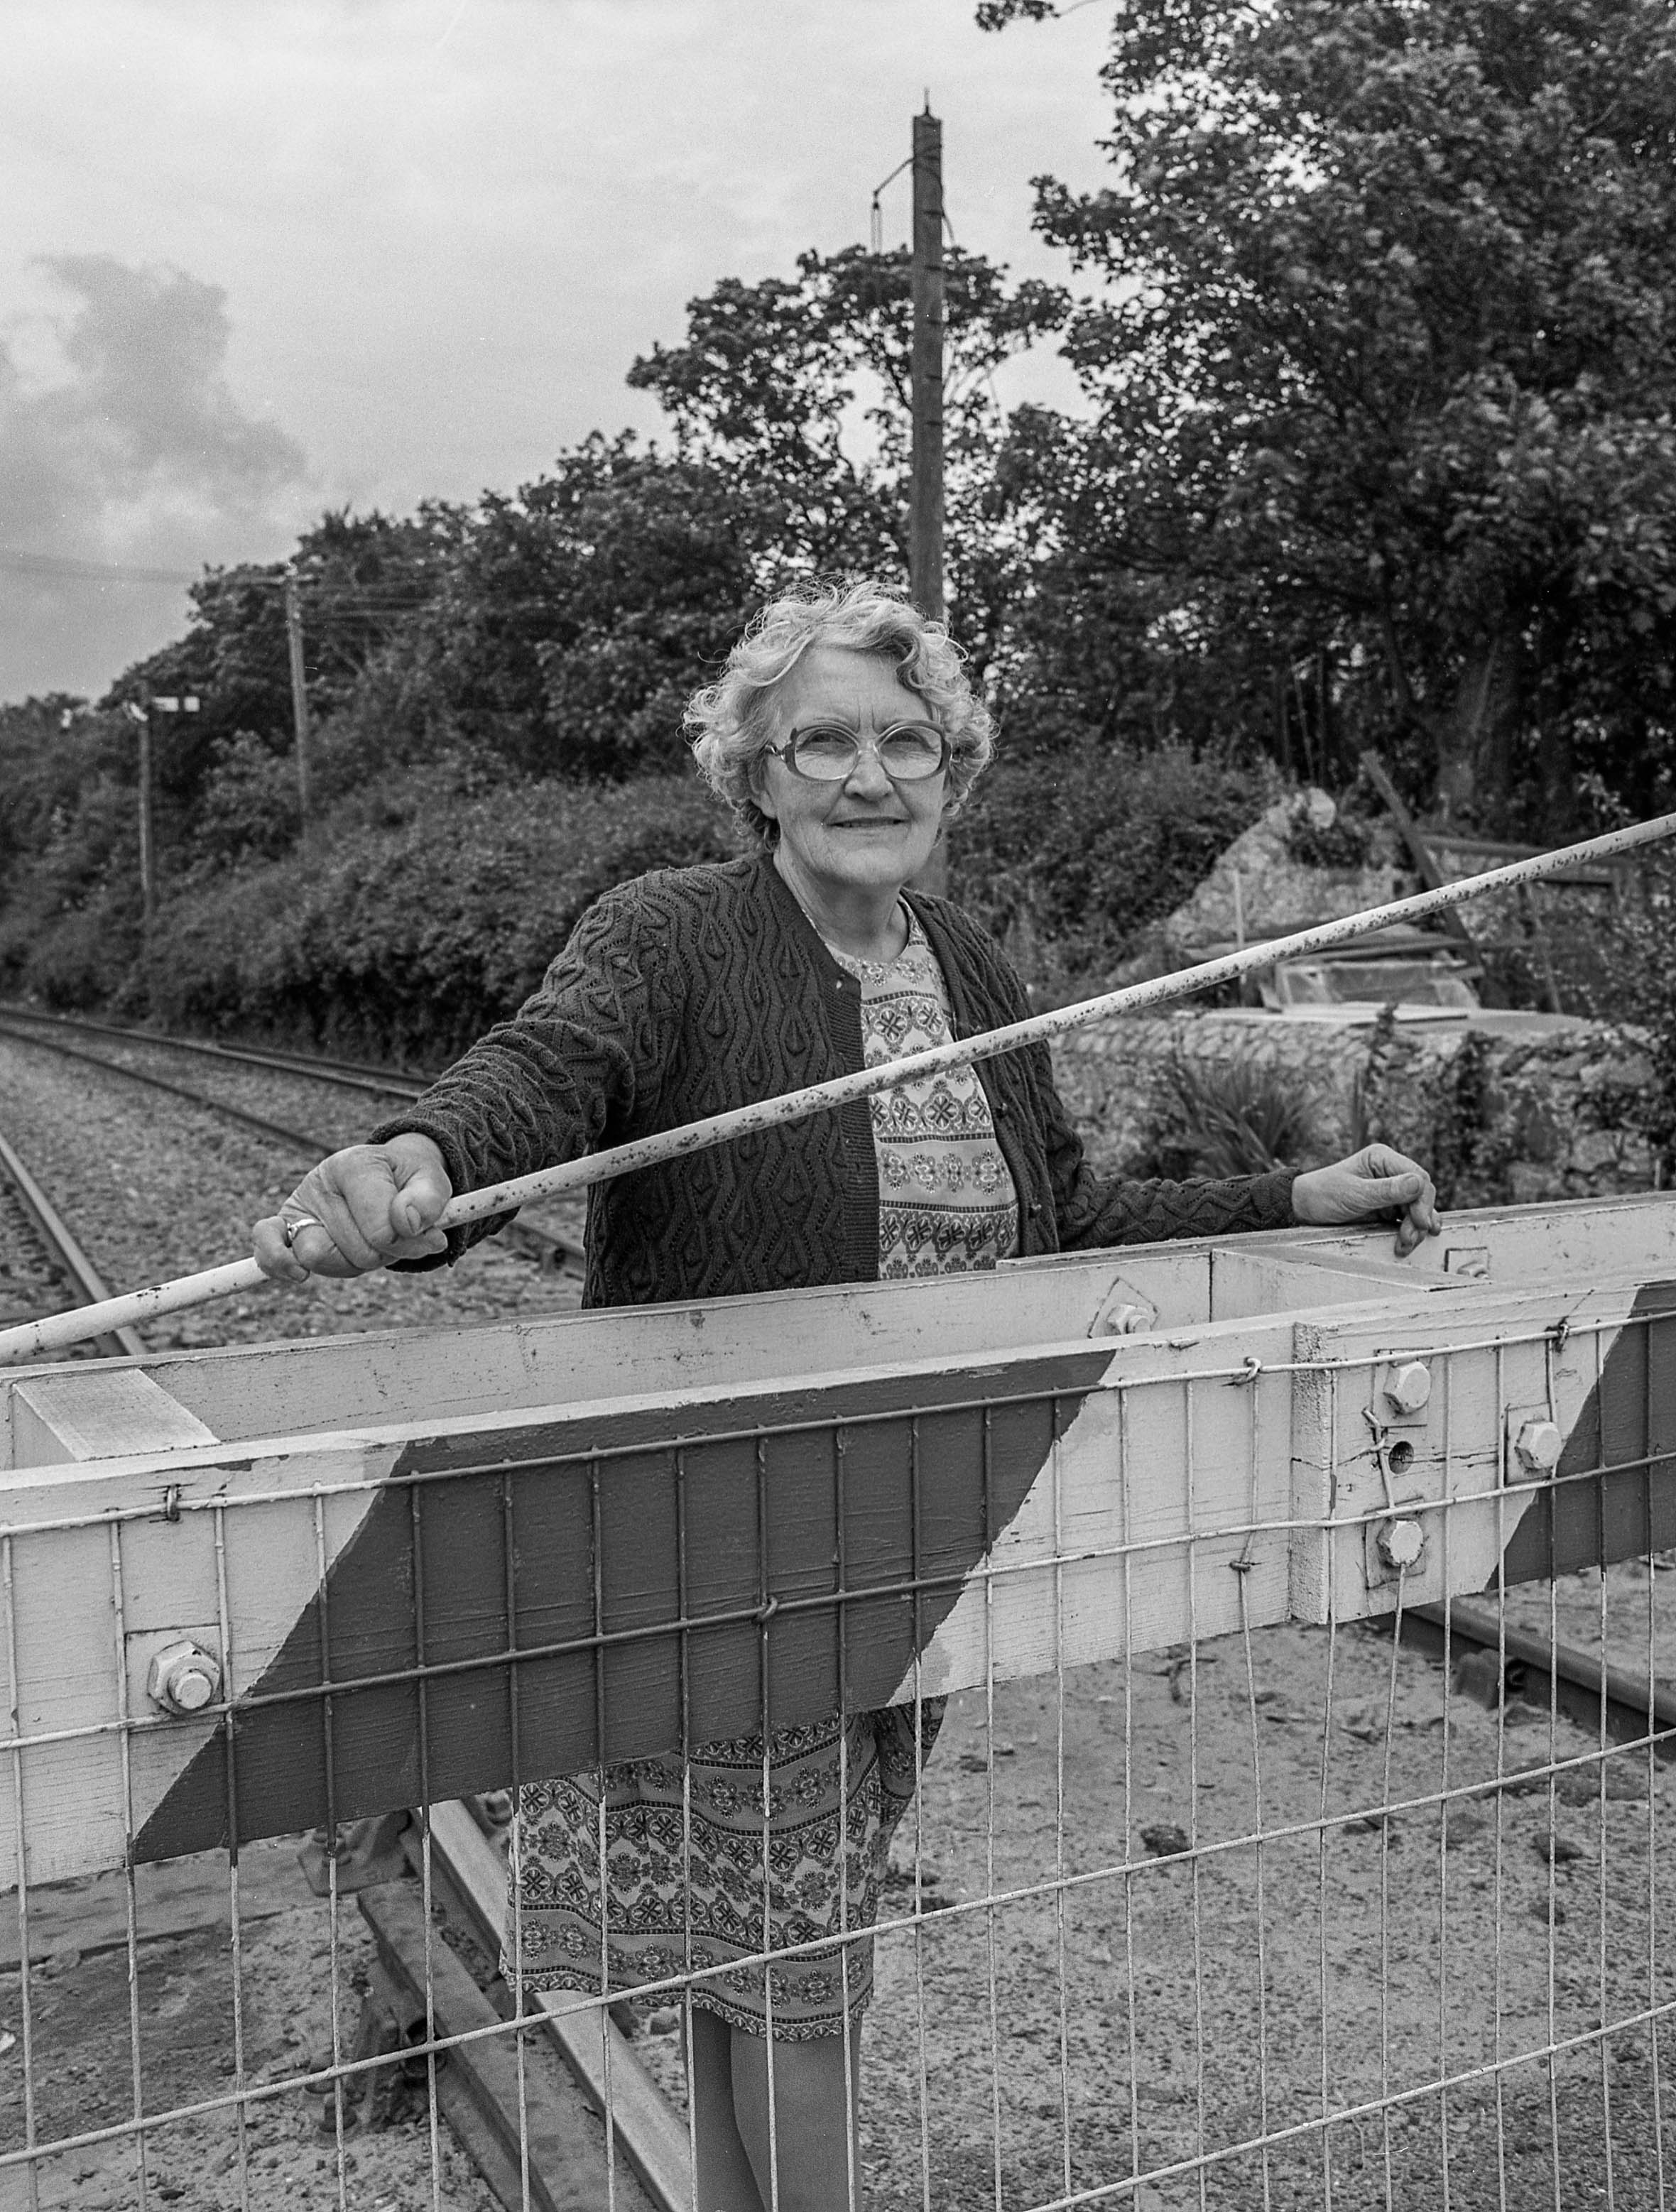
point(184, 1996)
point(1047, 2048)
point(1101, 2027)
point(1099, 2031)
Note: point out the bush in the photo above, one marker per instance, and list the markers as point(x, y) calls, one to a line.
point(407, 941)
point(1229, 1117)
point(70, 910)
point(250, 809)
point(1643, 959)
point(1068, 855)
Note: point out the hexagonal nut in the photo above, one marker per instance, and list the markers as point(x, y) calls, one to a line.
point(1539, 1446)
point(1121, 1321)
point(1402, 1544)
point(1409, 1391)
point(184, 1677)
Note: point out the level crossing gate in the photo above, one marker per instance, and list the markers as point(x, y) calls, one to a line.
point(256, 1592)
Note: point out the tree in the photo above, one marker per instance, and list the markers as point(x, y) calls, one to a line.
point(1386, 360)
point(775, 379)
point(579, 613)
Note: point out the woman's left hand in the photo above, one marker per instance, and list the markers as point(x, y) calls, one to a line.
point(1371, 1185)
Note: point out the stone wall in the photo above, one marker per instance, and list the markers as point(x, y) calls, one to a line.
point(1543, 1110)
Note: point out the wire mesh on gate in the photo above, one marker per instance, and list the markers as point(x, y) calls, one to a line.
point(1198, 1903)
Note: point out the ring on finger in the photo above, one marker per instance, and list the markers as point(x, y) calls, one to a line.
point(291, 1226)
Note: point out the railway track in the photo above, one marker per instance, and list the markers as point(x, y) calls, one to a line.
point(349, 1074)
point(53, 1032)
point(44, 1266)
point(1630, 1707)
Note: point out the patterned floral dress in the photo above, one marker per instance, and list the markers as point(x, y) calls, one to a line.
point(752, 1846)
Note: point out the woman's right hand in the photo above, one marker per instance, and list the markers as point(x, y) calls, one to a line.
point(364, 1207)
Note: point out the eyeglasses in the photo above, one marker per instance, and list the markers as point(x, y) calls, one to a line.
point(828, 752)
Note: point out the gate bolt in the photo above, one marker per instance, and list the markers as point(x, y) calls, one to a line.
point(1410, 1388)
point(1121, 1320)
point(1402, 1544)
point(185, 1678)
point(1539, 1446)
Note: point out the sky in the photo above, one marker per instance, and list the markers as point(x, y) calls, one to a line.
point(258, 261)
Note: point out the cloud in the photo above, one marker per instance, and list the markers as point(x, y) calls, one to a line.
point(134, 451)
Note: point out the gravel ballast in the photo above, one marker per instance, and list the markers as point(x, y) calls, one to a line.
point(1164, 2000)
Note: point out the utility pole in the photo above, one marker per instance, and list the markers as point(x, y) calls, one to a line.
point(924, 514)
point(142, 713)
point(925, 502)
point(147, 706)
point(299, 694)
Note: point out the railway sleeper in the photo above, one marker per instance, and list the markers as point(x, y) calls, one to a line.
point(500, 2119)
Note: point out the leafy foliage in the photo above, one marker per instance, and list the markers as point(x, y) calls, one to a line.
point(771, 374)
point(1643, 959)
point(1233, 1117)
point(1068, 853)
point(1386, 360)
point(407, 940)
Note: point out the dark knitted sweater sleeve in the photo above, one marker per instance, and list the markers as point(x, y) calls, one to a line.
point(577, 1060)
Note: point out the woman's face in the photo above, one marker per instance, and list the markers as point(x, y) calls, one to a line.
point(866, 832)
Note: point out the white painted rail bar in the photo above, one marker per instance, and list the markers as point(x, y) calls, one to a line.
point(31, 1338)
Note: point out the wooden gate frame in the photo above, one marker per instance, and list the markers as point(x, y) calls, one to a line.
point(423, 1563)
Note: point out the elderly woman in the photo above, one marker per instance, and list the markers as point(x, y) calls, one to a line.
point(842, 733)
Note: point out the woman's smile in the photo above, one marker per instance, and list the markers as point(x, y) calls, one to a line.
point(848, 848)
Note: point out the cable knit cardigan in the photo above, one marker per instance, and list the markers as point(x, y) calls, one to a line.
point(693, 990)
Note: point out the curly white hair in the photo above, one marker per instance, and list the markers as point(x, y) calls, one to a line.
point(730, 723)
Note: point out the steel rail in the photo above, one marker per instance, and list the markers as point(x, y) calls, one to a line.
point(350, 1075)
point(1582, 1686)
point(513, 2121)
point(298, 1140)
point(547, 1243)
point(600, 2057)
point(122, 1342)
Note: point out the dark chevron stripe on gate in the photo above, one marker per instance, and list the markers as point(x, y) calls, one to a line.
point(892, 1489)
point(837, 1477)
point(1625, 1438)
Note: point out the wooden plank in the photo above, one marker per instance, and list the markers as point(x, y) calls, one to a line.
point(1425, 864)
point(98, 1412)
point(1103, 1558)
point(1261, 1282)
point(143, 1539)
point(862, 1511)
point(1572, 1358)
point(800, 1495)
point(319, 1385)
point(175, 1898)
point(1628, 1239)
point(1614, 1495)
